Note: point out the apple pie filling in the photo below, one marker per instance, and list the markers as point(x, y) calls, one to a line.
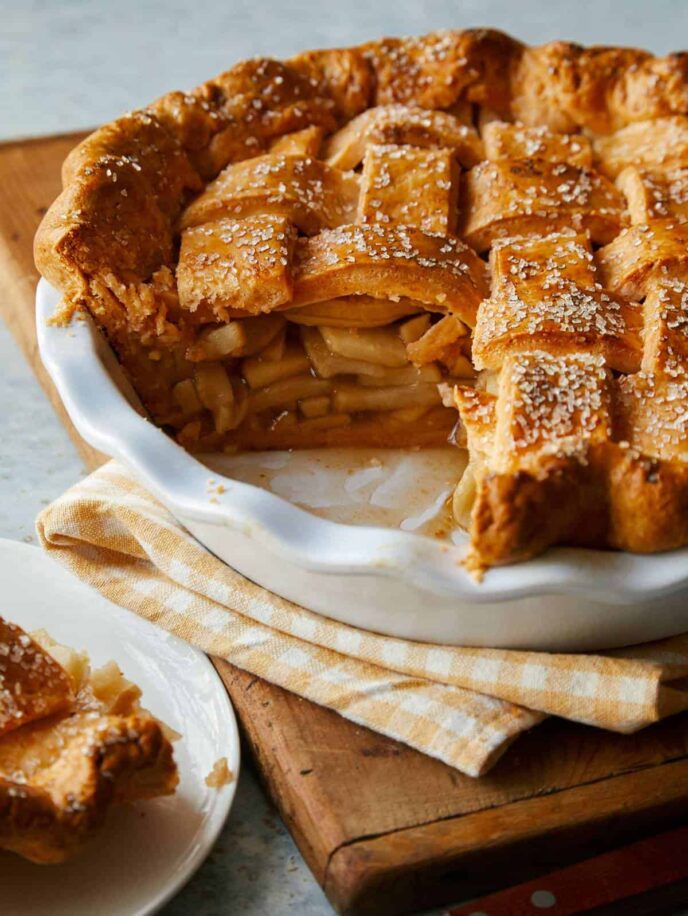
point(296, 377)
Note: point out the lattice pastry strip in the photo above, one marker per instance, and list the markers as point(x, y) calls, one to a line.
point(533, 197)
point(390, 262)
point(305, 190)
point(629, 264)
point(658, 144)
point(652, 415)
point(517, 141)
point(402, 125)
point(545, 294)
point(549, 406)
point(655, 194)
point(306, 142)
point(411, 186)
point(665, 350)
point(533, 474)
point(545, 406)
point(236, 265)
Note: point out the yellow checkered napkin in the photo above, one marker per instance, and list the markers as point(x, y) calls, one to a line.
point(464, 706)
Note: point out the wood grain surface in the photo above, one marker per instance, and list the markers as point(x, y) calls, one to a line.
point(384, 828)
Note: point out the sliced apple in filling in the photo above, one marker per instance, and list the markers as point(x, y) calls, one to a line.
point(260, 372)
point(272, 377)
point(286, 392)
point(354, 312)
point(237, 338)
point(349, 397)
point(408, 375)
point(381, 346)
point(446, 342)
point(328, 364)
point(224, 397)
point(318, 378)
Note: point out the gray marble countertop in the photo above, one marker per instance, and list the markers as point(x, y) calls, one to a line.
point(75, 63)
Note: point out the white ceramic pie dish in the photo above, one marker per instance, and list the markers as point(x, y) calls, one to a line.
point(382, 579)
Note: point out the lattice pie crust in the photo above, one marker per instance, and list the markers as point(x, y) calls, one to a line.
point(343, 248)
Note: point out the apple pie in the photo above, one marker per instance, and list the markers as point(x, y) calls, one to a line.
point(348, 247)
point(73, 741)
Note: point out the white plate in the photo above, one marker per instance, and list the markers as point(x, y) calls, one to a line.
point(145, 852)
point(380, 578)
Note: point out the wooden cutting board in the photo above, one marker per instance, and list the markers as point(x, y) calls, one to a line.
point(384, 828)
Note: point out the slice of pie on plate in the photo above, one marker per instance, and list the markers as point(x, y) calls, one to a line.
point(73, 742)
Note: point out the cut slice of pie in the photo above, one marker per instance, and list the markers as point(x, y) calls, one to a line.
point(73, 741)
point(345, 248)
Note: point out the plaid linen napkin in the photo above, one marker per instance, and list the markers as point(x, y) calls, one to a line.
point(463, 706)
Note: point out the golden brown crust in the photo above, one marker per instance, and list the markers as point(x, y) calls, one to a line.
point(255, 283)
point(343, 74)
point(396, 261)
point(513, 517)
point(32, 684)
point(517, 141)
point(310, 193)
point(441, 69)
point(619, 499)
point(656, 88)
point(543, 81)
point(660, 144)
point(648, 502)
point(72, 742)
point(546, 293)
point(140, 139)
point(403, 125)
point(637, 255)
point(567, 87)
point(192, 117)
point(534, 197)
point(115, 759)
point(259, 100)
